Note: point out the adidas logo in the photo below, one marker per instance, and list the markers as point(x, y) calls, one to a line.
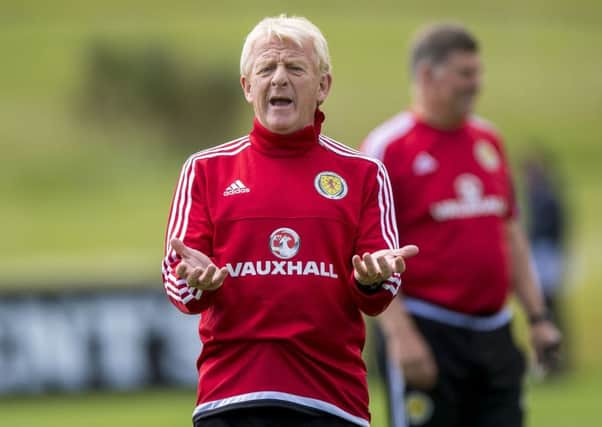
point(424, 163)
point(237, 187)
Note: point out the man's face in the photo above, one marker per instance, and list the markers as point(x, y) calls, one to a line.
point(284, 85)
point(456, 82)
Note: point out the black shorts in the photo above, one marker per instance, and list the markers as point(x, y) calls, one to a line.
point(479, 384)
point(271, 416)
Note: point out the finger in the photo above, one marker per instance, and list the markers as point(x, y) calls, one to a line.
point(207, 276)
point(385, 267)
point(193, 277)
point(371, 266)
point(220, 276)
point(399, 264)
point(420, 373)
point(358, 265)
point(182, 270)
point(218, 279)
point(179, 246)
point(549, 354)
point(407, 251)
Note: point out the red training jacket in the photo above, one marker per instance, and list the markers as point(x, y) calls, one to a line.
point(285, 214)
point(455, 196)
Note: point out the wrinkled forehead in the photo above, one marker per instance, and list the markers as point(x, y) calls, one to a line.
point(275, 48)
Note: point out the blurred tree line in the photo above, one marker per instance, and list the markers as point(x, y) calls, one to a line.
point(188, 101)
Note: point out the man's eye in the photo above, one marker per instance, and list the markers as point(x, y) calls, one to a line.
point(266, 69)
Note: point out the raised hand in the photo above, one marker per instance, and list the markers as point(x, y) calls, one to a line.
point(376, 267)
point(197, 268)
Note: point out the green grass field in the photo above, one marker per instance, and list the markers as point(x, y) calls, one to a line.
point(87, 204)
point(547, 405)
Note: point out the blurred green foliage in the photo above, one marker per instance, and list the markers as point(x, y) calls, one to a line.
point(148, 85)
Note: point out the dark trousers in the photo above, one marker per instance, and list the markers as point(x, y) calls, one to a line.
point(273, 416)
point(479, 384)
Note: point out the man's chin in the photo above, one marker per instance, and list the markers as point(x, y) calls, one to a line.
point(465, 110)
point(281, 127)
point(283, 124)
point(469, 105)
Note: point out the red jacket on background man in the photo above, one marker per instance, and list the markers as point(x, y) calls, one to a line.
point(457, 196)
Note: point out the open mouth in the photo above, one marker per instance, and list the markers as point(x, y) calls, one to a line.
point(280, 101)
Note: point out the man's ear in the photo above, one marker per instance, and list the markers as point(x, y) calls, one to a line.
point(246, 88)
point(424, 72)
point(324, 88)
point(430, 72)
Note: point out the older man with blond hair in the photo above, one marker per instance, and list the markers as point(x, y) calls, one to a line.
point(281, 239)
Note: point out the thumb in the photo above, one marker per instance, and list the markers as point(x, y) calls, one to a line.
point(179, 246)
point(407, 251)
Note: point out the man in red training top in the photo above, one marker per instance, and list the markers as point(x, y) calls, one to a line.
point(281, 239)
point(449, 332)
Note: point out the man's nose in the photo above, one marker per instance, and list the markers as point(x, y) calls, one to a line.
point(280, 77)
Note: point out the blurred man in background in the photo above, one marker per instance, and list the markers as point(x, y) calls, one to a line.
point(450, 331)
point(547, 229)
point(281, 323)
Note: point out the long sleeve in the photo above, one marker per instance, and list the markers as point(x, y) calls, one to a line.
point(188, 221)
point(377, 230)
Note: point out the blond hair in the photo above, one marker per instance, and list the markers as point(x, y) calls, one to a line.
point(293, 28)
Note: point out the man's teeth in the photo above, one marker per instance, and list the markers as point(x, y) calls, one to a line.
point(280, 101)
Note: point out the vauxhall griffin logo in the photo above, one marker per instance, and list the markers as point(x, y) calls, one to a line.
point(284, 243)
point(470, 201)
